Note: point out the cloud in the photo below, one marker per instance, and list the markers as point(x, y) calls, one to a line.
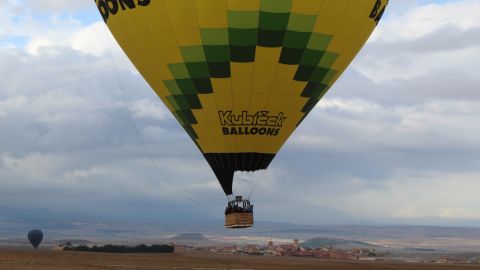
point(52, 6)
point(395, 138)
point(416, 20)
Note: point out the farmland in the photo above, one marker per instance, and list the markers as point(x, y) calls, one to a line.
point(53, 260)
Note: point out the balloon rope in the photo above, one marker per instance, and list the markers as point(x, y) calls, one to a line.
point(255, 186)
point(145, 149)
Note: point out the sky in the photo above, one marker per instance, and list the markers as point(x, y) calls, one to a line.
point(394, 141)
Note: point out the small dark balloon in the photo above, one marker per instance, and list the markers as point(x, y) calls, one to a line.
point(35, 237)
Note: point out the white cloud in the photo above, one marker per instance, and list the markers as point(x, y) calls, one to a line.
point(81, 39)
point(53, 6)
point(397, 137)
point(420, 20)
point(424, 39)
point(149, 109)
point(459, 213)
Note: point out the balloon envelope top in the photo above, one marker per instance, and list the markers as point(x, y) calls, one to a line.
point(241, 75)
point(35, 237)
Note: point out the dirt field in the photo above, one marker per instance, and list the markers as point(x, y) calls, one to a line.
point(52, 260)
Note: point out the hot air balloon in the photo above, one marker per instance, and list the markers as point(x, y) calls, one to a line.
point(241, 75)
point(35, 237)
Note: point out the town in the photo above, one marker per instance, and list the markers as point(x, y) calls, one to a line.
point(295, 249)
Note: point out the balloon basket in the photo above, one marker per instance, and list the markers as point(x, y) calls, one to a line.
point(239, 214)
point(238, 220)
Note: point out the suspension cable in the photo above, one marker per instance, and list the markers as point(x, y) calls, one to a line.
point(143, 145)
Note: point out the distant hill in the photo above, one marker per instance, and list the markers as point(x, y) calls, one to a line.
point(190, 237)
point(337, 242)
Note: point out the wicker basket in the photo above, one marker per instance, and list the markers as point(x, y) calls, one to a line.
point(239, 220)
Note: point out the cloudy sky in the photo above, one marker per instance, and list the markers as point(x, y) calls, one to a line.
point(396, 140)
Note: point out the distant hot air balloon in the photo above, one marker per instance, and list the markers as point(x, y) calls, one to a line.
point(35, 237)
point(241, 75)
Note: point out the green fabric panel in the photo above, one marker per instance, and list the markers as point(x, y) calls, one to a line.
point(219, 69)
point(179, 71)
point(301, 23)
point(198, 70)
point(193, 101)
point(311, 57)
point(173, 103)
point(291, 56)
point(243, 37)
point(304, 73)
point(243, 19)
point(179, 118)
point(172, 87)
point(328, 59)
point(277, 6)
point(319, 92)
point(296, 40)
point(319, 42)
point(273, 21)
point(243, 54)
point(186, 86)
point(217, 53)
point(203, 85)
point(182, 117)
point(309, 89)
point(182, 102)
point(191, 132)
point(193, 54)
point(189, 116)
point(269, 38)
point(329, 76)
point(217, 36)
point(319, 74)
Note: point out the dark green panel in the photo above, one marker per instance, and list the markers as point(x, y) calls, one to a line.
point(309, 89)
point(320, 92)
point(172, 87)
point(198, 70)
point(219, 69)
point(304, 73)
point(313, 90)
point(243, 37)
point(296, 40)
point(310, 105)
point(217, 53)
point(311, 57)
point(203, 85)
point(328, 59)
point(193, 101)
point(273, 21)
point(182, 102)
point(319, 74)
point(180, 117)
point(269, 38)
point(189, 117)
point(242, 54)
point(291, 56)
point(186, 86)
point(191, 132)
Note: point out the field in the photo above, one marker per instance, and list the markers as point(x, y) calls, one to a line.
point(52, 260)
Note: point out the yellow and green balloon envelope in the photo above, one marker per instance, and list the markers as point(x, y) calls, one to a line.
point(241, 75)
